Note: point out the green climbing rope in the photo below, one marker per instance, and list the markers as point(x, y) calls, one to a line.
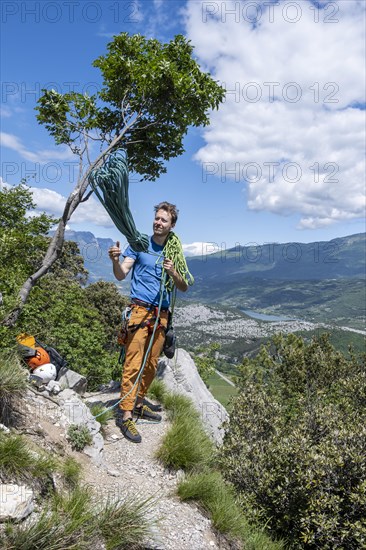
point(174, 251)
point(110, 184)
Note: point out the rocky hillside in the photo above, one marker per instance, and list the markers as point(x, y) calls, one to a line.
point(113, 467)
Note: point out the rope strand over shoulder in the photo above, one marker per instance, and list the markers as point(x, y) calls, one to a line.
point(110, 184)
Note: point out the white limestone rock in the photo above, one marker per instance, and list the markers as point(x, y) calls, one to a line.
point(16, 502)
point(180, 375)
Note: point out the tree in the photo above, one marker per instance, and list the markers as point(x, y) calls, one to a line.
point(152, 93)
point(22, 241)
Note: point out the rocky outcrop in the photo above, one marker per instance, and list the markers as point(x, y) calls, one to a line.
point(180, 375)
point(68, 378)
point(16, 502)
point(74, 411)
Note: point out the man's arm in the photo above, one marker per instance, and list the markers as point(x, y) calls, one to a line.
point(120, 269)
point(178, 280)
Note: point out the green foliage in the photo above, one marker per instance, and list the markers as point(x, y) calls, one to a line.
point(107, 300)
point(97, 409)
point(22, 241)
point(12, 384)
point(295, 447)
point(19, 462)
point(79, 436)
point(152, 93)
point(74, 521)
point(71, 471)
point(205, 361)
point(219, 499)
point(81, 323)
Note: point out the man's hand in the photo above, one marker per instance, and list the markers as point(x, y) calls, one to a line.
point(169, 267)
point(170, 270)
point(114, 252)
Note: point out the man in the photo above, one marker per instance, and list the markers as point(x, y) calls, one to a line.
point(145, 297)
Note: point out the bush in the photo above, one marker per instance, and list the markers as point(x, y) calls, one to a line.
point(79, 436)
point(295, 447)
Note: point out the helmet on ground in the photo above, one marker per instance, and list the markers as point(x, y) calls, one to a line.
point(45, 373)
point(41, 358)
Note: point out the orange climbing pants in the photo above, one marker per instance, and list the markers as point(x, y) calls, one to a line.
point(136, 345)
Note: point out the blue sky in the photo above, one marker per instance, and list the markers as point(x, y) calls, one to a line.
point(283, 159)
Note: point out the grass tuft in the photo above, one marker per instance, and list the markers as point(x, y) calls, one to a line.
point(186, 446)
point(71, 521)
point(18, 461)
point(71, 471)
point(211, 491)
point(13, 382)
point(127, 522)
point(157, 390)
point(104, 414)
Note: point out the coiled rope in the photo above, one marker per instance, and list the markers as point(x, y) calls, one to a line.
point(174, 251)
point(110, 184)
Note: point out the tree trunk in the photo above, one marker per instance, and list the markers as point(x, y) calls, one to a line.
point(55, 247)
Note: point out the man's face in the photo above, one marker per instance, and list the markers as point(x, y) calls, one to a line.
point(162, 223)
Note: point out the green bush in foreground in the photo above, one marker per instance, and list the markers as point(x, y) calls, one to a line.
point(295, 448)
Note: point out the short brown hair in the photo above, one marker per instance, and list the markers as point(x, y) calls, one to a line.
point(168, 207)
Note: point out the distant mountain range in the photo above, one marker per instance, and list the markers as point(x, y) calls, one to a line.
point(341, 257)
point(323, 280)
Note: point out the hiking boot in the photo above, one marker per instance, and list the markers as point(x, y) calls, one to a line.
point(129, 430)
point(154, 407)
point(146, 413)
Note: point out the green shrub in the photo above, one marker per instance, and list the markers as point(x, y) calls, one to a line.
point(79, 436)
point(13, 382)
point(295, 447)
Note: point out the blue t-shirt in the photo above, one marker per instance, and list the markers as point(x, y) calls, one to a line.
point(146, 274)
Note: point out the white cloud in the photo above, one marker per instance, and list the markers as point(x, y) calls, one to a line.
point(200, 248)
point(290, 127)
point(53, 203)
point(41, 156)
